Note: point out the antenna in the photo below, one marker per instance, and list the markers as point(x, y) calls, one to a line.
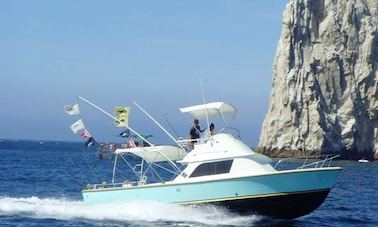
point(204, 102)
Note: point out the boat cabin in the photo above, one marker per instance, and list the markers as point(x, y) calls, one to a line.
point(223, 156)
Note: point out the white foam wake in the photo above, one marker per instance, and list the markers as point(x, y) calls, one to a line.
point(63, 209)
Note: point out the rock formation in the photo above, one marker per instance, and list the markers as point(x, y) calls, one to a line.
point(325, 79)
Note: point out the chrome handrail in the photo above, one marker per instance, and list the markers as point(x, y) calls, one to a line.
point(111, 185)
point(322, 162)
point(317, 164)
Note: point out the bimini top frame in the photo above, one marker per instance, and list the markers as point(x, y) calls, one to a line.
point(213, 109)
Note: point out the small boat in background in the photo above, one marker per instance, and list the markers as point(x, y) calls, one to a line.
point(363, 161)
point(106, 150)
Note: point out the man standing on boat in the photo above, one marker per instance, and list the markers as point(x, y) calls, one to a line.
point(195, 131)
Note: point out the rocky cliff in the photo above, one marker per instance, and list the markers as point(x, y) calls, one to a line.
point(325, 79)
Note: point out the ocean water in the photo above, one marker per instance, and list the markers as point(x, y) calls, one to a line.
point(41, 183)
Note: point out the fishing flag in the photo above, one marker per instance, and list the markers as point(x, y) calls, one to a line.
point(125, 133)
point(122, 116)
point(90, 142)
point(77, 126)
point(85, 134)
point(72, 109)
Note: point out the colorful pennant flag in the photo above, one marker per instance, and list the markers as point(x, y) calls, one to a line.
point(122, 116)
point(85, 134)
point(77, 126)
point(72, 109)
point(90, 142)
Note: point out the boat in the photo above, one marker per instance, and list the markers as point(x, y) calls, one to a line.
point(106, 150)
point(218, 169)
point(363, 161)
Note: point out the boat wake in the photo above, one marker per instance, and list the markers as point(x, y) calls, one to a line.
point(130, 212)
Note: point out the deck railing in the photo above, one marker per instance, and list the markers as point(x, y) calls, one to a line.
point(104, 185)
point(326, 161)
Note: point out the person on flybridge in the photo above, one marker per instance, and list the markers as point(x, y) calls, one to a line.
point(195, 131)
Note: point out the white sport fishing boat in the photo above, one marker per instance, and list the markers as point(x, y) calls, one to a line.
point(219, 170)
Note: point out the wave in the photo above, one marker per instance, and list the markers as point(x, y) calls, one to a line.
point(130, 212)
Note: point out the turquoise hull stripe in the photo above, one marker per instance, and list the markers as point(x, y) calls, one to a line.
point(222, 189)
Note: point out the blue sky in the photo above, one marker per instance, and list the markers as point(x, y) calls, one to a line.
point(114, 52)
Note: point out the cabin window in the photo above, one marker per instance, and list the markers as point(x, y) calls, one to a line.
point(212, 168)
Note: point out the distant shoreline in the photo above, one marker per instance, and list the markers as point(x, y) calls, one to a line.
point(344, 155)
point(41, 140)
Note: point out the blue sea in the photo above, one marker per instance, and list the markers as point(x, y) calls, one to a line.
point(41, 183)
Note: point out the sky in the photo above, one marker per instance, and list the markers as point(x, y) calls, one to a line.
point(116, 52)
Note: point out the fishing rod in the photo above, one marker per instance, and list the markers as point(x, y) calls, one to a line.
point(169, 124)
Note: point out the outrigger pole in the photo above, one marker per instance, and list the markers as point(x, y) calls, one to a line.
point(162, 128)
point(111, 116)
point(170, 161)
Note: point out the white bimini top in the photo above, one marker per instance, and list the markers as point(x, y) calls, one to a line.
point(210, 109)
